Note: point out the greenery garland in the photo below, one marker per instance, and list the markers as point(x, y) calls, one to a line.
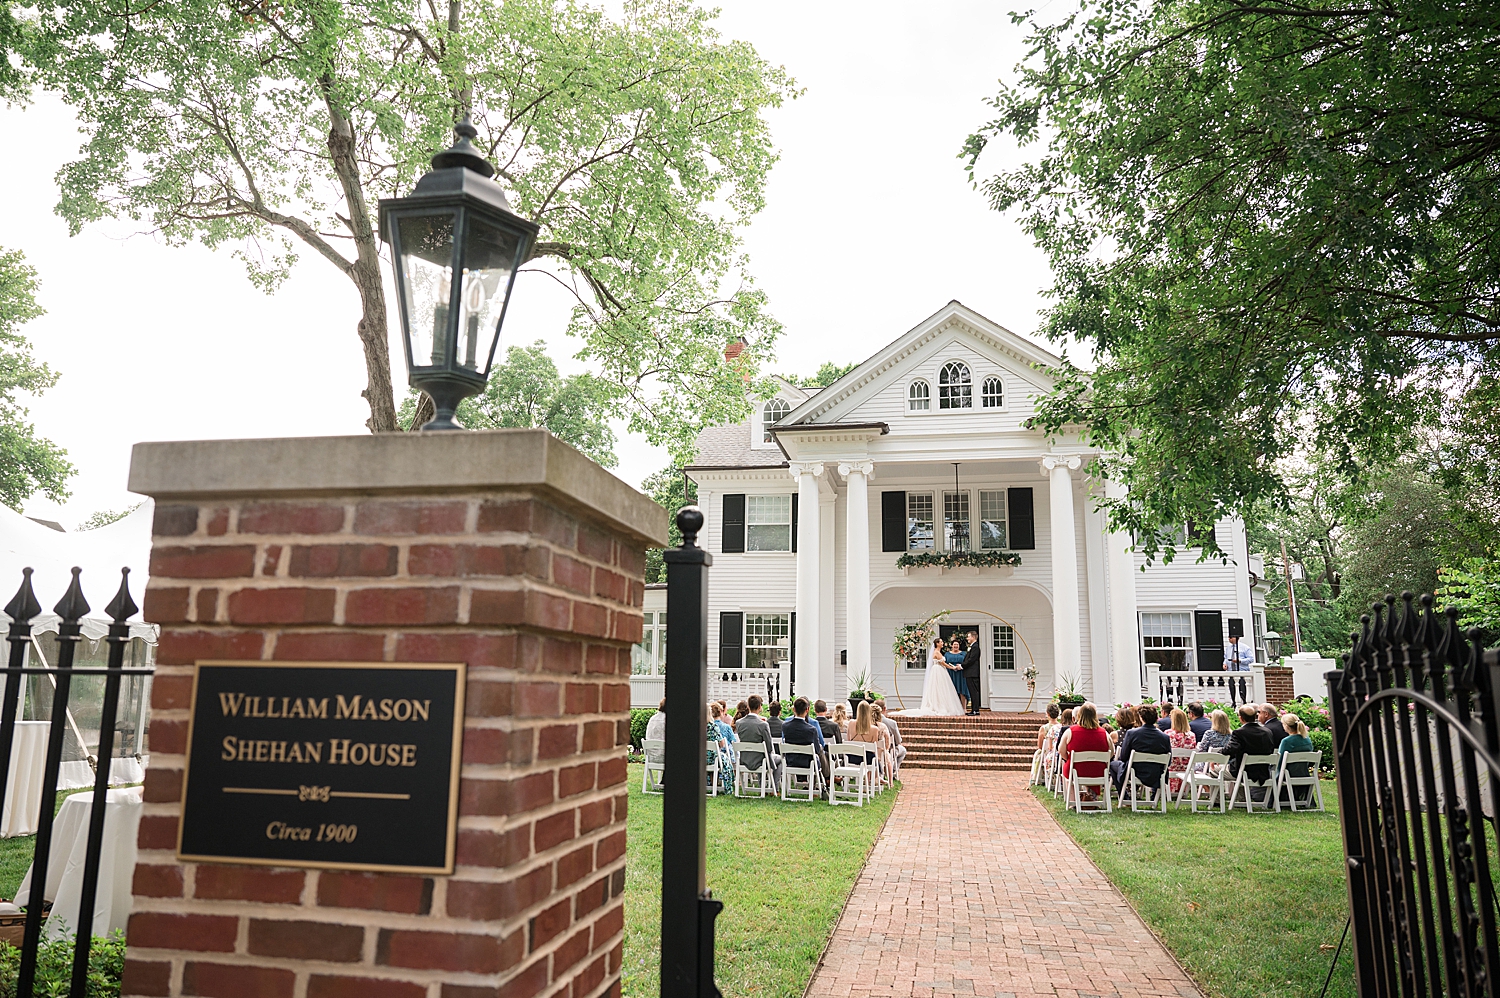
point(958, 559)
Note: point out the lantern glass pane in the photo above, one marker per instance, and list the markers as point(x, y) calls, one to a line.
point(489, 260)
point(427, 252)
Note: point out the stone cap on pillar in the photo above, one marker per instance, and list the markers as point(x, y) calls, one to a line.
point(395, 463)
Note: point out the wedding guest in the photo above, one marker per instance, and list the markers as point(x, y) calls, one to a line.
point(741, 711)
point(1047, 732)
point(1165, 724)
point(1197, 722)
point(1296, 740)
point(841, 718)
point(890, 724)
point(1085, 736)
point(719, 716)
point(1063, 725)
point(724, 756)
point(864, 730)
point(1217, 735)
point(887, 741)
point(1125, 719)
point(773, 711)
point(656, 730)
point(1181, 736)
point(1250, 738)
point(1271, 719)
point(831, 730)
point(798, 730)
point(753, 730)
point(1147, 739)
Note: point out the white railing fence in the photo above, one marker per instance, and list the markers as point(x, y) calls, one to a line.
point(1233, 688)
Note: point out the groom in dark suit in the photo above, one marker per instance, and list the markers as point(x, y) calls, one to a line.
point(971, 670)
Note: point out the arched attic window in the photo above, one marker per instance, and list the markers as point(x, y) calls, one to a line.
point(771, 415)
point(919, 396)
point(955, 391)
point(993, 393)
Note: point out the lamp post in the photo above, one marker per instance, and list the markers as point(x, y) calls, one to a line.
point(456, 245)
point(1273, 646)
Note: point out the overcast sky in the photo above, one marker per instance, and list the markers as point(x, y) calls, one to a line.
point(870, 226)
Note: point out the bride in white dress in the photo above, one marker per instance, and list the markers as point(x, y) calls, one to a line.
point(939, 695)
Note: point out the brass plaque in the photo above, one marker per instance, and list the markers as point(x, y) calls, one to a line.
point(333, 765)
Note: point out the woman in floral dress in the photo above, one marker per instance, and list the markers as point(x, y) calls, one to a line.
point(1181, 736)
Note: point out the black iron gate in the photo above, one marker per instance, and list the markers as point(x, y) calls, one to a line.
point(71, 608)
point(1416, 735)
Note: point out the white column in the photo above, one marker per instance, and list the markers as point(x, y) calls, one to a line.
point(857, 565)
point(1066, 654)
point(809, 555)
point(1124, 625)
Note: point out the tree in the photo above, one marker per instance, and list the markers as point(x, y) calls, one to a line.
point(28, 463)
point(827, 374)
point(104, 517)
point(672, 490)
point(526, 390)
point(639, 146)
point(1272, 223)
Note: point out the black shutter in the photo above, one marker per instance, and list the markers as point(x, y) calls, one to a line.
point(1208, 628)
point(794, 521)
point(733, 539)
point(791, 678)
point(1018, 503)
point(731, 640)
point(893, 521)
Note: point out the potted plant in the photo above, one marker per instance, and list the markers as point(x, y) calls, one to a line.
point(1067, 694)
point(861, 690)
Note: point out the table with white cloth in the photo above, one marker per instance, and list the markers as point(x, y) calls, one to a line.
point(70, 839)
point(28, 761)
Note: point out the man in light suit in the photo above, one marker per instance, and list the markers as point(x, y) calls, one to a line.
point(971, 670)
point(753, 729)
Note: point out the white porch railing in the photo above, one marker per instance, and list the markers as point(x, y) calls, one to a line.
point(731, 686)
point(1233, 688)
point(647, 691)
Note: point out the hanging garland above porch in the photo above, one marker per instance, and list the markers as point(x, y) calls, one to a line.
point(958, 559)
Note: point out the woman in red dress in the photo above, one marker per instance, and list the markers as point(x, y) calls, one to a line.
point(1085, 736)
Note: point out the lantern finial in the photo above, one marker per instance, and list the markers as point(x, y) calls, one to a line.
point(462, 152)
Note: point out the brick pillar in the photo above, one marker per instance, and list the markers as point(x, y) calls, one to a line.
point(1280, 687)
point(503, 549)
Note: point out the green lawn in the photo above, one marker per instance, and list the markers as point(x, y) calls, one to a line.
point(1245, 902)
point(15, 853)
point(783, 871)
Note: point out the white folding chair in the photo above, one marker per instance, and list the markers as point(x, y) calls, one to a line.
point(1134, 784)
point(1036, 767)
point(800, 782)
point(712, 768)
point(1206, 771)
point(652, 776)
point(753, 782)
point(1076, 784)
point(1243, 781)
point(1286, 781)
point(849, 777)
point(1058, 782)
point(1178, 753)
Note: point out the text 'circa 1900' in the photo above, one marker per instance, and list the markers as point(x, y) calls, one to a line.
point(337, 765)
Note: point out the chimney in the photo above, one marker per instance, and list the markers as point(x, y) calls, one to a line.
point(736, 348)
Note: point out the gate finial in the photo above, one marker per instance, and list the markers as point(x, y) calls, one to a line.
point(122, 607)
point(23, 606)
point(72, 606)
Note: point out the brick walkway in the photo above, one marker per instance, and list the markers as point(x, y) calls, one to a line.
point(973, 889)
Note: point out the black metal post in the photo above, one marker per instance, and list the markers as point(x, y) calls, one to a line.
point(120, 609)
point(688, 909)
point(71, 609)
point(20, 610)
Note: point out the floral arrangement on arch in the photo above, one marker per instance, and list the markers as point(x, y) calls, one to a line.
point(958, 559)
point(913, 640)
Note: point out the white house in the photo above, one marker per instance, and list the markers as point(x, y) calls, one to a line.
point(924, 450)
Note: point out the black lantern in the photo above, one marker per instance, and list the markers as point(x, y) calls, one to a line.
point(1273, 646)
point(456, 245)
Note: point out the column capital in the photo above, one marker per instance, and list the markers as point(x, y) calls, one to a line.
point(866, 468)
point(800, 468)
point(1069, 462)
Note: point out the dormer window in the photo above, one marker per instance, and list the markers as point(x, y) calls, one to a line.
point(993, 394)
point(918, 397)
point(772, 414)
point(955, 391)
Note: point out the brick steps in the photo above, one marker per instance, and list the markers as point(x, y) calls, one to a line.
point(989, 742)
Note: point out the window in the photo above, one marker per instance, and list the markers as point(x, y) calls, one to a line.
point(993, 394)
point(918, 397)
point(768, 523)
point(1004, 645)
point(919, 521)
point(649, 658)
point(1167, 640)
point(992, 532)
point(956, 521)
point(771, 415)
point(954, 389)
point(1258, 621)
point(767, 640)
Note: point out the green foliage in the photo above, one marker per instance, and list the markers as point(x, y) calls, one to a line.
point(638, 142)
point(28, 463)
point(1264, 224)
point(1474, 589)
point(54, 968)
point(827, 374)
point(1314, 713)
point(639, 716)
point(526, 390)
point(672, 490)
point(1322, 741)
point(104, 517)
point(958, 559)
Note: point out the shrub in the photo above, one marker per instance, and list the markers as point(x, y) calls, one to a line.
point(1323, 742)
point(54, 967)
point(1314, 714)
point(638, 718)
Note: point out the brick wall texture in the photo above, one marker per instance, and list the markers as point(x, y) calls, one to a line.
point(543, 606)
point(1280, 687)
